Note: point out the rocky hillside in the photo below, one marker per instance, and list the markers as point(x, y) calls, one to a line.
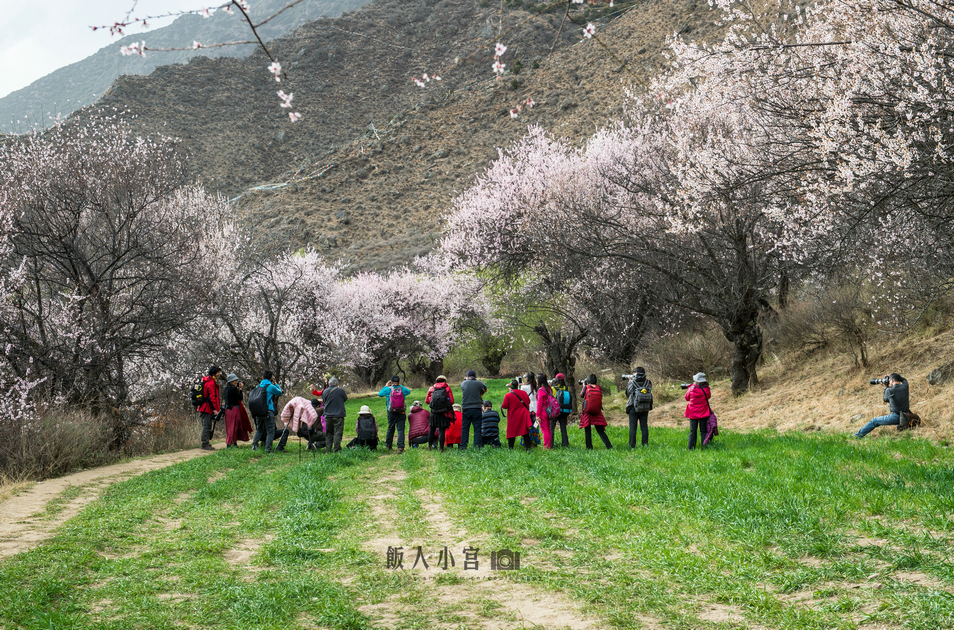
point(376, 160)
point(81, 83)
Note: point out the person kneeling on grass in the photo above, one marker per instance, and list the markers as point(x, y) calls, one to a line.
point(298, 411)
point(366, 429)
point(490, 425)
point(419, 425)
point(896, 395)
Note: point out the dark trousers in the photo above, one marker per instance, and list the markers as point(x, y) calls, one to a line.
point(471, 417)
point(207, 419)
point(601, 430)
point(490, 440)
point(437, 435)
point(640, 418)
point(283, 439)
point(697, 424)
point(264, 431)
point(421, 439)
point(562, 420)
point(396, 420)
point(513, 440)
point(333, 436)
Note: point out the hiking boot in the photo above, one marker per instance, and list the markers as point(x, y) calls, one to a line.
point(208, 447)
point(254, 447)
point(279, 450)
point(400, 450)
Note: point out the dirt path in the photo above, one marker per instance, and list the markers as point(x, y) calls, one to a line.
point(28, 518)
point(480, 599)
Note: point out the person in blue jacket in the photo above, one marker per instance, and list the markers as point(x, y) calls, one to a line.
point(265, 425)
point(396, 396)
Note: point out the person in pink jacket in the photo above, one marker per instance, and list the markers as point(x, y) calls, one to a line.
point(544, 396)
point(298, 410)
point(698, 394)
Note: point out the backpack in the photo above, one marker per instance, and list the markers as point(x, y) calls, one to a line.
point(258, 402)
point(593, 400)
point(644, 397)
point(397, 399)
point(197, 392)
point(566, 403)
point(909, 420)
point(553, 407)
point(440, 401)
point(367, 428)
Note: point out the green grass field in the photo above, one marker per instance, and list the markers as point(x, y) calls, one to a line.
point(761, 530)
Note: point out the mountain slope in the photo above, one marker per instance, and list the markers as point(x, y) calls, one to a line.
point(377, 158)
point(82, 83)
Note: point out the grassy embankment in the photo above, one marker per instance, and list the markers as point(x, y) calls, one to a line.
point(762, 530)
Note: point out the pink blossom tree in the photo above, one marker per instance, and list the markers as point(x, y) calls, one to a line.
point(111, 237)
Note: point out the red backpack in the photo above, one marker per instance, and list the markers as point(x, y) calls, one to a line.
point(593, 400)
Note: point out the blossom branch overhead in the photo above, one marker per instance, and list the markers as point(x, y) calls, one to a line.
point(240, 7)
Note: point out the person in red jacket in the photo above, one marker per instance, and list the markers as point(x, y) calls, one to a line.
point(454, 430)
point(210, 406)
point(517, 405)
point(592, 414)
point(441, 400)
point(697, 410)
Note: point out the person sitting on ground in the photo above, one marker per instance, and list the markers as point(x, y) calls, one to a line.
point(396, 395)
point(418, 428)
point(592, 414)
point(490, 425)
point(366, 430)
point(441, 400)
point(296, 412)
point(334, 399)
point(898, 399)
point(237, 423)
point(453, 431)
point(516, 404)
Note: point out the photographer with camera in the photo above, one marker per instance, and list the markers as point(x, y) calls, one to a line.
point(896, 395)
point(639, 402)
point(698, 410)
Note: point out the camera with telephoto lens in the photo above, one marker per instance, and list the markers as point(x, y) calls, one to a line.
point(582, 381)
point(626, 377)
point(880, 381)
point(684, 385)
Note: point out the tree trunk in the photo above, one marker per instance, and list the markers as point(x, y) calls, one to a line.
point(427, 369)
point(560, 349)
point(784, 288)
point(745, 334)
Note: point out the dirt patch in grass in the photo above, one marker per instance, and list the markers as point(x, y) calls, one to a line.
point(721, 613)
point(241, 554)
point(21, 522)
point(920, 579)
point(219, 474)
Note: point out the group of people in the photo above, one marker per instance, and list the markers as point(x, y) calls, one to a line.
point(534, 408)
point(321, 419)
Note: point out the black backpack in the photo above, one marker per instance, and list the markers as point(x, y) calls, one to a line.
point(644, 396)
point(367, 428)
point(440, 401)
point(258, 402)
point(197, 393)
